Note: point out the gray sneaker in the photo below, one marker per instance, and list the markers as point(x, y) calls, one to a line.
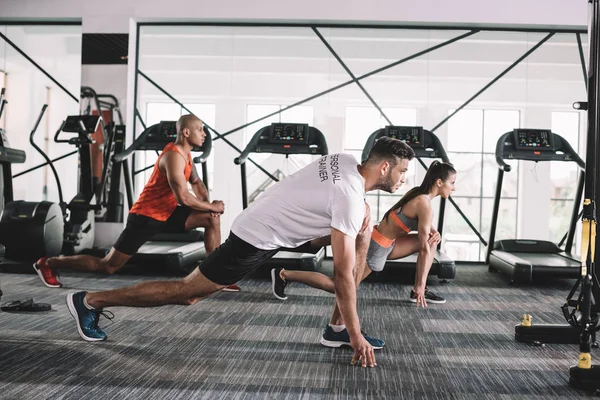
point(429, 296)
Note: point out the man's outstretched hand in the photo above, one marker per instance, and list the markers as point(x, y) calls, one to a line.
point(363, 352)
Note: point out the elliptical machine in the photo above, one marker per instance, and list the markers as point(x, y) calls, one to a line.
point(79, 213)
point(28, 230)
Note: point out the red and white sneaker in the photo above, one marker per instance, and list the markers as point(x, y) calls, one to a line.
point(48, 276)
point(232, 288)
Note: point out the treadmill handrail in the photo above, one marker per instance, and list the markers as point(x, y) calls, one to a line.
point(499, 158)
point(251, 146)
point(134, 146)
point(140, 140)
point(248, 149)
point(206, 147)
point(435, 141)
point(12, 156)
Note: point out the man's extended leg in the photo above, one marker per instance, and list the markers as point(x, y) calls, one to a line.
point(229, 263)
point(138, 230)
point(87, 307)
point(157, 293)
point(47, 267)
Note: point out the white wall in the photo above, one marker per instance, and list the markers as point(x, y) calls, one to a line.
point(113, 15)
point(107, 79)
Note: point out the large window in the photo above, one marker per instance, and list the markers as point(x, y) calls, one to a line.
point(156, 112)
point(472, 137)
point(563, 176)
point(361, 122)
point(415, 75)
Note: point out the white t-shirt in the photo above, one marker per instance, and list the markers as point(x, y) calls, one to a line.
point(328, 193)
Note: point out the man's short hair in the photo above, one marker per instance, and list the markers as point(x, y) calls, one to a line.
point(390, 150)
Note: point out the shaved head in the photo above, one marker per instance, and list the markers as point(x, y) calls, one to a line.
point(186, 121)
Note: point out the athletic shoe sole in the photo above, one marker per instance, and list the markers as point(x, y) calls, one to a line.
point(39, 272)
point(334, 344)
point(430, 301)
point(229, 290)
point(273, 272)
point(73, 312)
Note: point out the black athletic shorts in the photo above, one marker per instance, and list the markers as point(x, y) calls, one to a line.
point(231, 261)
point(140, 229)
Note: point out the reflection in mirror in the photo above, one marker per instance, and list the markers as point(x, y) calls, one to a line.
point(54, 80)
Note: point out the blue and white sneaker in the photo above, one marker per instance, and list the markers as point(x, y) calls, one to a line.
point(87, 320)
point(331, 338)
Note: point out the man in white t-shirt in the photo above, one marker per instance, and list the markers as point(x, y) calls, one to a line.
point(323, 202)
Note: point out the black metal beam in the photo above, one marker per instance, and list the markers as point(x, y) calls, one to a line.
point(349, 72)
point(582, 59)
point(43, 164)
point(396, 26)
point(376, 71)
point(42, 70)
point(210, 127)
point(496, 79)
point(138, 115)
point(76, 22)
point(135, 98)
point(139, 171)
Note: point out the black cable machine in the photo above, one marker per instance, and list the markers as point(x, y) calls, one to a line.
point(425, 144)
point(524, 259)
point(108, 187)
point(178, 253)
point(287, 139)
point(585, 375)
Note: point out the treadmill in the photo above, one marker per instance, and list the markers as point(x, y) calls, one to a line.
point(8, 156)
point(425, 145)
point(523, 260)
point(287, 139)
point(177, 253)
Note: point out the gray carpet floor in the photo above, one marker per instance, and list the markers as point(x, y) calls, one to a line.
point(249, 345)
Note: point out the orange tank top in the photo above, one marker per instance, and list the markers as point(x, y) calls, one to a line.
point(157, 200)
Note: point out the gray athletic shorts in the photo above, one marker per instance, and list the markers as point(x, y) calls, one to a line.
point(379, 249)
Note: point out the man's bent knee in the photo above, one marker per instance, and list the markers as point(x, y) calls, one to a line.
point(114, 261)
point(214, 222)
point(196, 286)
point(110, 268)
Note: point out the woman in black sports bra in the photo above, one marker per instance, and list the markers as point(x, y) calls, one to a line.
point(393, 238)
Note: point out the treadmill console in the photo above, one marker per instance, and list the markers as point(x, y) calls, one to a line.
point(168, 129)
point(161, 134)
point(285, 138)
point(411, 135)
point(534, 139)
point(89, 121)
point(288, 133)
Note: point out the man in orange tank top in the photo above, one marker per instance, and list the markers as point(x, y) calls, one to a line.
point(165, 205)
